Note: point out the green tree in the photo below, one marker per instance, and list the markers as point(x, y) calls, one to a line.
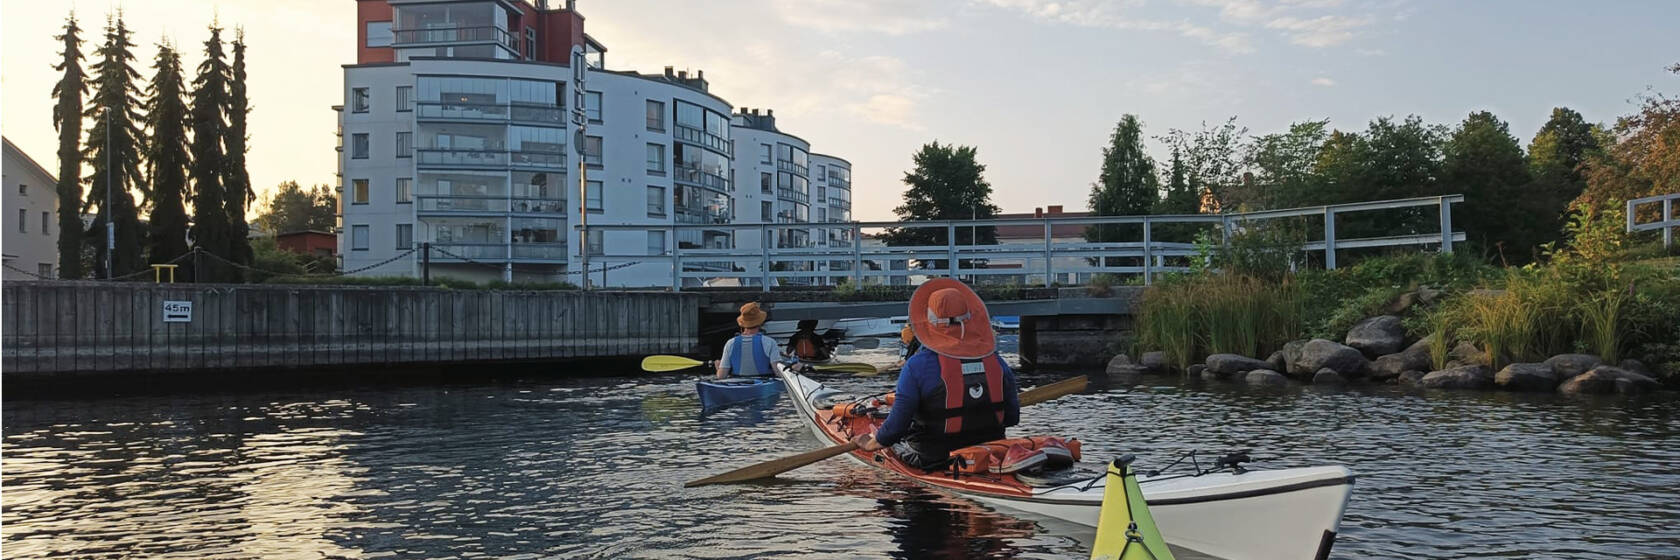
point(67, 119)
point(1284, 163)
point(236, 182)
point(1556, 158)
point(1213, 163)
point(1484, 162)
point(167, 156)
point(948, 183)
point(113, 151)
point(211, 230)
point(1390, 160)
point(1646, 160)
point(291, 209)
point(1127, 184)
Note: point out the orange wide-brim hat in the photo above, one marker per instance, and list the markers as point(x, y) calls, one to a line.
point(751, 316)
point(950, 319)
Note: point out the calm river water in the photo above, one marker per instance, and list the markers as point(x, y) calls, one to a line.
point(563, 467)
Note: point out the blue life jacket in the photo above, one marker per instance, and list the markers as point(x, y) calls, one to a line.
point(745, 344)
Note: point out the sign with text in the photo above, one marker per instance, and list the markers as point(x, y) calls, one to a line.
point(177, 312)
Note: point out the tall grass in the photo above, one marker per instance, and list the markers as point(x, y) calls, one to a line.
point(1168, 323)
point(1214, 314)
point(1504, 323)
point(1601, 325)
point(1442, 326)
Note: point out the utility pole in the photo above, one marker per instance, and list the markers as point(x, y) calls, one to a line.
point(110, 227)
point(580, 118)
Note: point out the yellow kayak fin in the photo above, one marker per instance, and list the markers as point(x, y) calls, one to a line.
point(1125, 530)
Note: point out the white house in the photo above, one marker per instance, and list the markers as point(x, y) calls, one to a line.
point(30, 219)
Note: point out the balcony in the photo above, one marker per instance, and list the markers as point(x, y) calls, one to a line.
point(791, 167)
point(478, 112)
point(705, 139)
point(538, 160)
point(539, 251)
point(839, 202)
point(460, 204)
point(498, 252)
point(700, 178)
point(452, 35)
point(793, 196)
point(488, 159)
point(688, 215)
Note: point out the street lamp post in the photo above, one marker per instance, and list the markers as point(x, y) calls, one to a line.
point(110, 227)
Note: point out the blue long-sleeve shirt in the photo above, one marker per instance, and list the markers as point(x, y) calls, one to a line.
point(920, 378)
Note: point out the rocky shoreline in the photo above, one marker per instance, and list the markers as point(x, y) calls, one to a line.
point(1375, 350)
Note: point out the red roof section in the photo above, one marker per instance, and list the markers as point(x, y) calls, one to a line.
point(1037, 231)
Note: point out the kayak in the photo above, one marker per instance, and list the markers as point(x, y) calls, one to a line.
point(1125, 529)
point(1236, 512)
point(716, 393)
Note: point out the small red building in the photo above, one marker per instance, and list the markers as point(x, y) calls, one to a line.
point(308, 242)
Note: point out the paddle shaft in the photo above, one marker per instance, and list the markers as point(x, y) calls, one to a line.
point(778, 466)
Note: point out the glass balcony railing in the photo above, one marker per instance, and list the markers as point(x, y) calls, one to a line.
point(840, 202)
point(700, 177)
point(791, 167)
point(538, 114)
point(443, 35)
point(696, 136)
point(542, 160)
point(688, 215)
point(554, 251)
point(793, 195)
point(465, 204)
point(446, 157)
point(549, 206)
point(463, 250)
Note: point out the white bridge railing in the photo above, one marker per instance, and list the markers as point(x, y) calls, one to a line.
point(763, 255)
point(1666, 221)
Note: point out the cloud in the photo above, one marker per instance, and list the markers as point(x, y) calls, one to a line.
point(1323, 81)
point(1109, 14)
point(1322, 31)
point(1291, 17)
point(882, 16)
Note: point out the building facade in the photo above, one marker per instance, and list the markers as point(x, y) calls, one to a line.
point(31, 217)
point(463, 131)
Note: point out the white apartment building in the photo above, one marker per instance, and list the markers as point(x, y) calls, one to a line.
point(30, 222)
point(457, 132)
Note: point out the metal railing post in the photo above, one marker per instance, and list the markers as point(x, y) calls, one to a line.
point(951, 248)
point(676, 261)
point(1049, 269)
point(857, 256)
point(1329, 238)
point(1148, 252)
point(426, 263)
point(764, 242)
point(1667, 218)
point(1446, 226)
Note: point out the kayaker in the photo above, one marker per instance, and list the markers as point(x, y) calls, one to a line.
point(806, 344)
point(954, 392)
point(748, 354)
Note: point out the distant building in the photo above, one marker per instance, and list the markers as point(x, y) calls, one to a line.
point(1058, 232)
point(308, 242)
point(31, 217)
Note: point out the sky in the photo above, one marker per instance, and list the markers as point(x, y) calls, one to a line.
point(1035, 85)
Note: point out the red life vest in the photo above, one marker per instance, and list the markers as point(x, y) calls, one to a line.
point(974, 397)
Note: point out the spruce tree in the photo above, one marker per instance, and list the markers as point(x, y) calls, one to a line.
point(1127, 184)
point(67, 119)
point(235, 180)
point(113, 151)
point(211, 231)
point(166, 156)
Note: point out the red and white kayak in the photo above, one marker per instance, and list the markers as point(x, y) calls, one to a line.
point(1247, 514)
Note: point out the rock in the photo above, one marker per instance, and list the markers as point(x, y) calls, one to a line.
point(1608, 379)
point(1127, 376)
point(1195, 370)
point(1409, 377)
point(1421, 346)
point(1118, 363)
point(1571, 365)
point(1462, 377)
point(1230, 364)
point(1277, 362)
point(1155, 362)
point(1378, 335)
point(1427, 295)
point(1291, 354)
point(1469, 354)
point(1390, 366)
point(1266, 378)
point(1328, 376)
point(1526, 377)
point(1635, 366)
point(1402, 303)
point(1319, 354)
point(1211, 376)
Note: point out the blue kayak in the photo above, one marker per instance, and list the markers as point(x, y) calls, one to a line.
point(715, 393)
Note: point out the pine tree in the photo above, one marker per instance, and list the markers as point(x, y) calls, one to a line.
point(235, 180)
point(113, 151)
point(211, 231)
point(167, 159)
point(67, 119)
point(1127, 184)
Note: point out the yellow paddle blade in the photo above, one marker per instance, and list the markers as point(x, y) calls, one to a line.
point(657, 364)
point(857, 368)
point(1126, 530)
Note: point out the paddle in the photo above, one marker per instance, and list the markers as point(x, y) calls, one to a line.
point(774, 467)
point(857, 368)
point(659, 364)
point(865, 343)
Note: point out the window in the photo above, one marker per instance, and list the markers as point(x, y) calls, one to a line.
point(23, 190)
point(358, 191)
point(46, 223)
point(764, 153)
point(405, 190)
point(359, 145)
point(656, 115)
point(530, 43)
point(43, 270)
point(405, 144)
point(405, 98)
point(405, 236)
point(656, 242)
point(767, 212)
point(592, 196)
point(359, 100)
point(656, 201)
point(592, 150)
point(656, 158)
point(592, 105)
point(765, 183)
point(379, 34)
point(23, 220)
point(596, 243)
point(359, 238)
point(822, 214)
point(822, 171)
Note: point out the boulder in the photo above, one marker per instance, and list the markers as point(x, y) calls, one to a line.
point(1468, 354)
point(1119, 364)
point(1608, 379)
point(1277, 362)
point(1421, 346)
point(1462, 377)
point(1266, 378)
point(1427, 295)
point(1155, 362)
point(1211, 376)
point(1571, 365)
point(1409, 377)
point(1635, 366)
point(1291, 354)
point(1195, 370)
point(1402, 303)
point(1319, 354)
point(1526, 377)
point(1328, 376)
point(1230, 364)
point(1378, 335)
point(1390, 366)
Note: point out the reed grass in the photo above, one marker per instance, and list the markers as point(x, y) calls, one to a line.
point(1215, 314)
point(1601, 325)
